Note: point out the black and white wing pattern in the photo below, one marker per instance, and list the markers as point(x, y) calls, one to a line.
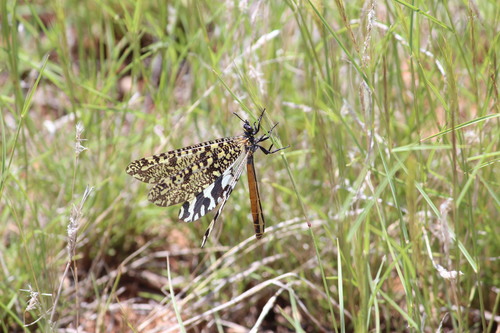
point(213, 195)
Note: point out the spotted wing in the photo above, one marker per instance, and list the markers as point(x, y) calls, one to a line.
point(182, 174)
point(156, 168)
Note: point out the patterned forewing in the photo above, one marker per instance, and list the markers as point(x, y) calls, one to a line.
point(194, 178)
point(155, 169)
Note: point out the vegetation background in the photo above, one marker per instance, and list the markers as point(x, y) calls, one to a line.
point(391, 111)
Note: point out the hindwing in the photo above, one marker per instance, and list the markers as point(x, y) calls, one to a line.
point(216, 193)
point(213, 194)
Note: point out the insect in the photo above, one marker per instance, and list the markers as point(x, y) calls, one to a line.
point(202, 176)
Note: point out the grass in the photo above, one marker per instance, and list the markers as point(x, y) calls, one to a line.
point(383, 215)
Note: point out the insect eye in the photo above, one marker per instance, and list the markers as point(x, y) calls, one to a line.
point(247, 127)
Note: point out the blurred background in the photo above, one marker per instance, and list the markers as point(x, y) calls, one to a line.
point(382, 215)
